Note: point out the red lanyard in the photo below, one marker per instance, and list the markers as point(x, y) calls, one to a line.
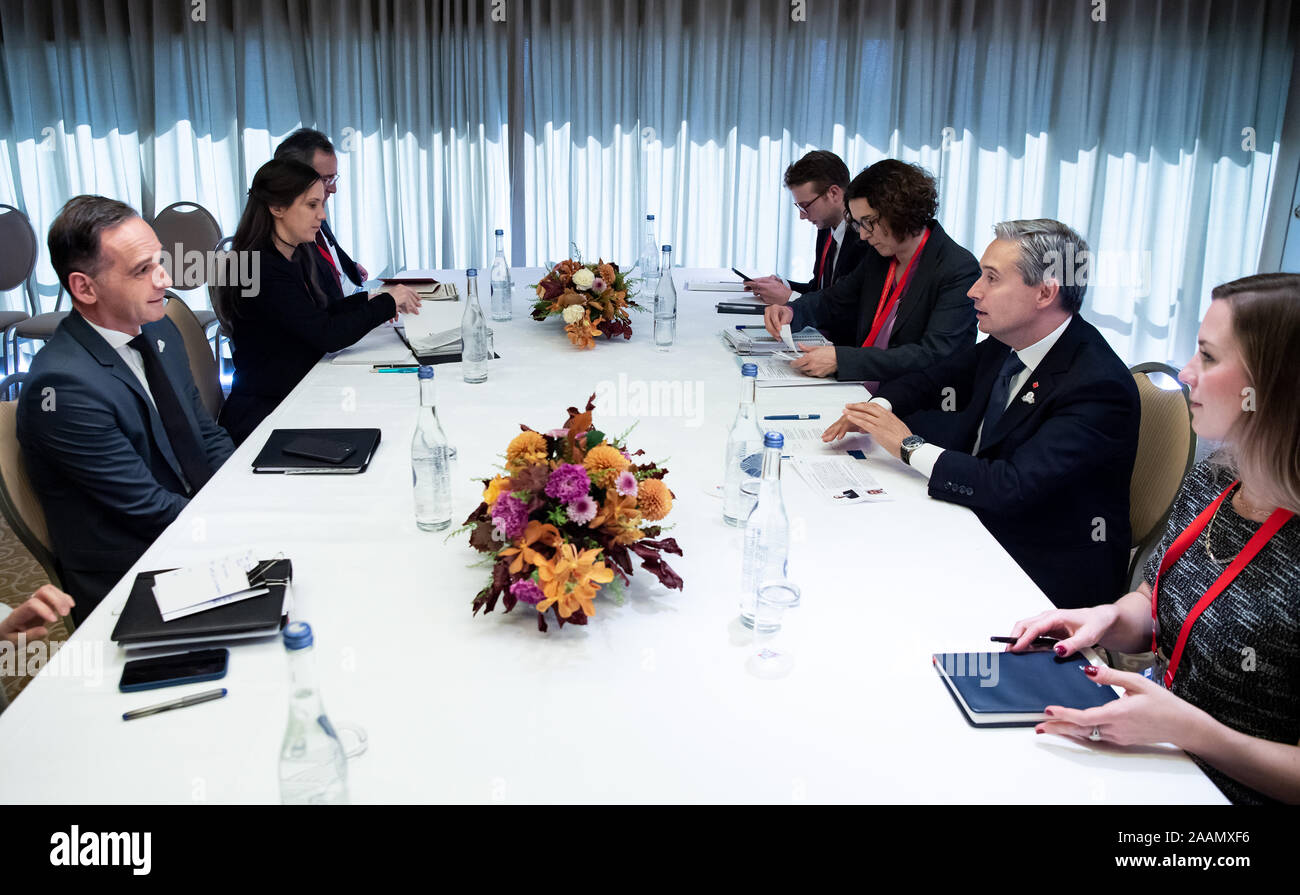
point(1276, 520)
point(888, 300)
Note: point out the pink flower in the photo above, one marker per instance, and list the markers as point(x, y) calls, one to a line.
point(597, 286)
point(527, 591)
point(626, 484)
point(582, 510)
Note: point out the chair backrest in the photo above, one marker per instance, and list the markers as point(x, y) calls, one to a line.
point(203, 365)
point(186, 227)
point(224, 247)
point(1166, 451)
point(21, 250)
point(18, 501)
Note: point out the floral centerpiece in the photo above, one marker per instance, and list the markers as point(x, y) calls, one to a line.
point(593, 299)
point(565, 517)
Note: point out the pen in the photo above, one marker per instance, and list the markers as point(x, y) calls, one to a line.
point(394, 369)
point(1037, 641)
point(184, 702)
point(794, 416)
point(741, 327)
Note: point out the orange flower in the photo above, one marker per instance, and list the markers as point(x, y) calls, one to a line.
point(572, 579)
point(603, 461)
point(655, 499)
point(525, 449)
point(606, 271)
point(619, 517)
point(535, 531)
point(494, 489)
point(581, 333)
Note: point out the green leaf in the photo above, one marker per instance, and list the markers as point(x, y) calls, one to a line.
point(594, 437)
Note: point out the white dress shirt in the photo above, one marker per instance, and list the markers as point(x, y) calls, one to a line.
point(838, 235)
point(118, 342)
point(924, 457)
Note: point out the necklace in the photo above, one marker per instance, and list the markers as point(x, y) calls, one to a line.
point(1209, 531)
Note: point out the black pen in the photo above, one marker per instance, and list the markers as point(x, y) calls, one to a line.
point(1037, 641)
point(184, 702)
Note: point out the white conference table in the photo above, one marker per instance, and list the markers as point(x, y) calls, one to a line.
point(651, 701)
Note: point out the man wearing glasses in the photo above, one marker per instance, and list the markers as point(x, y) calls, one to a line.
point(313, 148)
point(816, 183)
point(904, 307)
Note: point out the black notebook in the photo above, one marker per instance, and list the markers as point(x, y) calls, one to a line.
point(141, 624)
point(1012, 689)
point(274, 459)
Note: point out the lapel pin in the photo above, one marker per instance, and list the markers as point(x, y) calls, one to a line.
point(1027, 397)
point(1035, 385)
point(161, 344)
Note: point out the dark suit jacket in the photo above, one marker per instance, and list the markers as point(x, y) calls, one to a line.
point(280, 333)
point(846, 260)
point(935, 318)
point(98, 455)
point(1051, 481)
point(349, 267)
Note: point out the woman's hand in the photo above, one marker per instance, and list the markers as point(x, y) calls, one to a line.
point(406, 299)
point(1146, 713)
point(1075, 628)
point(777, 316)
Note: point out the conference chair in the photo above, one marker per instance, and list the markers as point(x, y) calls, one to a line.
point(17, 262)
point(21, 508)
point(1166, 451)
point(203, 366)
point(185, 227)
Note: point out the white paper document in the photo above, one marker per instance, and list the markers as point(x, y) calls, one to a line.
point(183, 592)
point(437, 324)
point(840, 479)
point(787, 337)
point(806, 438)
point(776, 371)
point(717, 286)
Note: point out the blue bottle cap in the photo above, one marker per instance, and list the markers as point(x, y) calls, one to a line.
point(668, 248)
point(425, 371)
point(472, 272)
point(773, 440)
point(297, 635)
point(649, 217)
point(501, 233)
point(749, 370)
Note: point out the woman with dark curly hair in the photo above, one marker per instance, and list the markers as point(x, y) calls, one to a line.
point(905, 306)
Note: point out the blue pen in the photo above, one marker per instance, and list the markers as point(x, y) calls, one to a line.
point(794, 416)
point(396, 369)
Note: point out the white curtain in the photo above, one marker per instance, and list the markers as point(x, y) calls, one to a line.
point(157, 101)
point(1154, 132)
point(1130, 129)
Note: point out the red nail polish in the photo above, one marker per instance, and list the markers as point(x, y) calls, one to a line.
point(1036, 730)
point(1091, 671)
point(1048, 713)
point(1060, 650)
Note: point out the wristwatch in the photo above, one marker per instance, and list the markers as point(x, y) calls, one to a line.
point(908, 445)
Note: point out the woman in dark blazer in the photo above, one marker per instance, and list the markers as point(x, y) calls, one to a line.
point(281, 331)
point(882, 330)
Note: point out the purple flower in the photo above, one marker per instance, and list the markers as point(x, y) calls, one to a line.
point(568, 482)
point(527, 591)
point(598, 286)
point(582, 510)
point(626, 484)
point(510, 514)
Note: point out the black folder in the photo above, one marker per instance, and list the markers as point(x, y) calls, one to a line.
point(1011, 689)
point(273, 458)
point(141, 624)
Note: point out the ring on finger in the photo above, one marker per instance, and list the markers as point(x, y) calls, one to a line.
point(1095, 736)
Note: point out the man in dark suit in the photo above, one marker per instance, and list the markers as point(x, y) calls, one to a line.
point(1041, 422)
point(817, 183)
point(904, 308)
point(314, 149)
point(115, 436)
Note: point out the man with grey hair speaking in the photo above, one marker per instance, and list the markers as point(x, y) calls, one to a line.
point(1042, 418)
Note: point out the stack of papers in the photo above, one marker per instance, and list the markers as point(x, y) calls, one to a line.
point(187, 591)
point(436, 326)
point(755, 340)
point(716, 286)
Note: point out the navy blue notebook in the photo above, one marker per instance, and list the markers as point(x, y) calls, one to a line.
point(1012, 689)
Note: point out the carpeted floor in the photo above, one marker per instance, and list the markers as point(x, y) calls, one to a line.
point(20, 575)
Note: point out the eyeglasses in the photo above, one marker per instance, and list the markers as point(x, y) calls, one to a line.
point(865, 226)
point(804, 206)
point(331, 180)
